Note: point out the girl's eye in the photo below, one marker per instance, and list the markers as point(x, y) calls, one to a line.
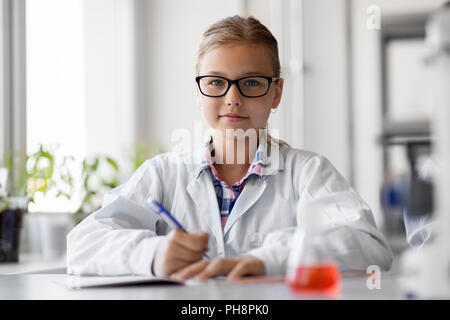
point(216, 83)
point(252, 83)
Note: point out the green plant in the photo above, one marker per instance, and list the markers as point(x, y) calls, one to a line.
point(16, 162)
point(43, 173)
point(34, 173)
point(37, 174)
point(99, 174)
point(4, 203)
point(65, 187)
point(40, 170)
point(142, 152)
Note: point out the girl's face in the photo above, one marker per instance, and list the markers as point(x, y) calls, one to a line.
point(234, 111)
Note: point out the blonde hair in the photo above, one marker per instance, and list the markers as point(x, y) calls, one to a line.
point(236, 29)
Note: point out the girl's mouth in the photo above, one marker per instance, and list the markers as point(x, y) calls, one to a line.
point(234, 117)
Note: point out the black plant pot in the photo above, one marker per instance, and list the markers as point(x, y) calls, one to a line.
point(10, 229)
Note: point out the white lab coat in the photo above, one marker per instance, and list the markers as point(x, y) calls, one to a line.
point(122, 236)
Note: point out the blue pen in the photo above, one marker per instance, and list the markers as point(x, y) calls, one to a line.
point(158, 208)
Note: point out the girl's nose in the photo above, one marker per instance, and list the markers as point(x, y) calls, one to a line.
point(233, 96)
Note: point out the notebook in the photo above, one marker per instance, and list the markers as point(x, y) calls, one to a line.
point(79, 282)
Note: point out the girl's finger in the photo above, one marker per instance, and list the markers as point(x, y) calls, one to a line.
point(173, 266)
point(194, 241)
point(242, 268)
point(218, 267)
point(178, 252)
point(246, 267)
point(190, 271)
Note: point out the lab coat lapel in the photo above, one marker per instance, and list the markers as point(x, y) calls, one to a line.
point(253, 190)
point(202, 193)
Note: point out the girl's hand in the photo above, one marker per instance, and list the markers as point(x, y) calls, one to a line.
point(179, 250)
point(233, 267)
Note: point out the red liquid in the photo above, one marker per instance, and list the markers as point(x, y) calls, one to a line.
point(323, 278)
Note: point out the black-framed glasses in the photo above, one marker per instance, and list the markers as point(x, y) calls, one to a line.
point(250, 87)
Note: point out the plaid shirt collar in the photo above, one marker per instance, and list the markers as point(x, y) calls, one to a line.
point(260, 160)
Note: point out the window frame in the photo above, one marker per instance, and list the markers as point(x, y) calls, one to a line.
point(13, 86)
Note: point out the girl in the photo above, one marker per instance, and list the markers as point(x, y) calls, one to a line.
point(247, 208)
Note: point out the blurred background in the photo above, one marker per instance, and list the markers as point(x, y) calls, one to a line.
point(91, 88)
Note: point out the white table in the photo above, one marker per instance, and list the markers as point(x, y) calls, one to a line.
point(29, 263)
point(46, 284)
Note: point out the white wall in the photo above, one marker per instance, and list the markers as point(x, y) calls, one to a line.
point(110, 77)
point(173, 35)
point(314, 111)
point(286, 23)
point(327, 126)
point(55, 76)
point(366, 97)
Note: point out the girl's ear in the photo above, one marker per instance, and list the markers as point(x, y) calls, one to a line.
point(196, 89)
point(197, 96)
point(278, 92)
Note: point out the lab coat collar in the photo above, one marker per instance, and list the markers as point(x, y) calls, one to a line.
point(269, 153)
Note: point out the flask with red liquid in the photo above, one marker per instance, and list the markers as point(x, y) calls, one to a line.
point(311, 269)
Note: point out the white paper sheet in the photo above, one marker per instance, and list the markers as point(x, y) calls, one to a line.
point(79, 282)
